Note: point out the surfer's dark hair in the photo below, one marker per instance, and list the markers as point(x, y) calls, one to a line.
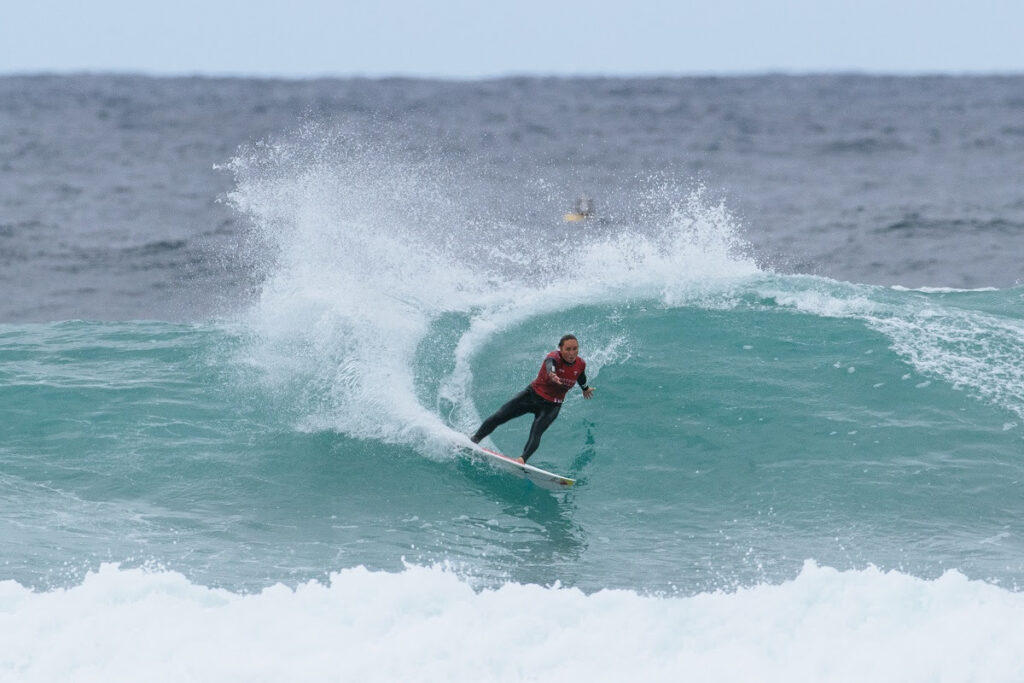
point(566, 338)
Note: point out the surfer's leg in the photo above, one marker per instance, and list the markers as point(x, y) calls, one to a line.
point(518, 405)
point(545, 415)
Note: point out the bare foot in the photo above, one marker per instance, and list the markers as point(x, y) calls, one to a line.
point(520, 461)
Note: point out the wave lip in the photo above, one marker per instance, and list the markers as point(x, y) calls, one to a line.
point(426, 623)
point(361, 249)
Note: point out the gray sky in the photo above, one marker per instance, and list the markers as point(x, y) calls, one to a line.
point(463, 39)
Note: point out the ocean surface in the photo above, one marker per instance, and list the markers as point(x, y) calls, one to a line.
point(246, 325)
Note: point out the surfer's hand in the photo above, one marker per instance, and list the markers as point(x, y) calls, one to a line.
point(588, 392)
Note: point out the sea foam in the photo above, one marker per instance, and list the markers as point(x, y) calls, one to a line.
point(428, 623)
point(359, 249)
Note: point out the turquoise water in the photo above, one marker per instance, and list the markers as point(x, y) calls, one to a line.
point(769, 421)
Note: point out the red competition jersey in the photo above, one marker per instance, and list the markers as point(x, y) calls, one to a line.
point(568, 374)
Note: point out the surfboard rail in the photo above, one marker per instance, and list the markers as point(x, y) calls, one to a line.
point(541, 477)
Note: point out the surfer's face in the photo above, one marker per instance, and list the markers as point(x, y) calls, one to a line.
point(569, 349)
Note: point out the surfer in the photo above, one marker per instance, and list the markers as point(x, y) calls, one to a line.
point(559, 372)
point(584, 209)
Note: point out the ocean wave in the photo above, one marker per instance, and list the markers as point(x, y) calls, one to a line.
point(363, 250)
point(427, 623)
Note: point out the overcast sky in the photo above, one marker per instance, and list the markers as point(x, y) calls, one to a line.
point(463, 39)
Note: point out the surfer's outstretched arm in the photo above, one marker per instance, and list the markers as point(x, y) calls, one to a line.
point(588, 390)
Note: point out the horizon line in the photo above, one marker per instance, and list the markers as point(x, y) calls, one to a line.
point(514, 75)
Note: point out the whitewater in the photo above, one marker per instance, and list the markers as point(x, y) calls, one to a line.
point(426, 624)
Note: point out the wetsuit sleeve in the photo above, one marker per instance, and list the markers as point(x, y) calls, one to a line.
point(549, 364)
point(582, 380)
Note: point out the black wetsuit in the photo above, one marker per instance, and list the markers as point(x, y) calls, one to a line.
point(526, 401)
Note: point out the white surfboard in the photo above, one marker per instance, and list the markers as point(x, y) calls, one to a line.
point(543, 478)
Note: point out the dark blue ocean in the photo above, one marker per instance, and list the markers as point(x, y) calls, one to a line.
point(246, 324)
